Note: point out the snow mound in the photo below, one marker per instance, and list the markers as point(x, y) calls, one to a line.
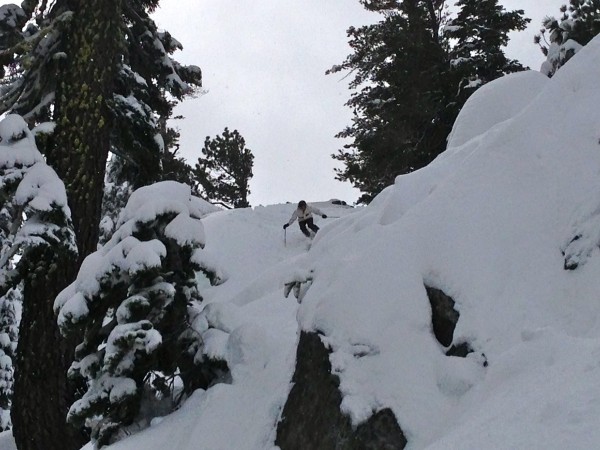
point(494, 103)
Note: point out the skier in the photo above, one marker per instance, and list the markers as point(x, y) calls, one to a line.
point(304, 214)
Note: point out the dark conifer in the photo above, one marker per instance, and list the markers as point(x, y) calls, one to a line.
point(103, 75)
point(225, 170)
point(9, 329)
point(413, 71)
point(480, 34)
point(397, 65)
point(37, 246)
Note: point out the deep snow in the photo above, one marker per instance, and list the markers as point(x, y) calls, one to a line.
point(487, 223)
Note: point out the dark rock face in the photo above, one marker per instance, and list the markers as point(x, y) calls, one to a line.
point(461, 350)
point(312, 418)
point(444, 319)
point(443, 315)
point(380, 432)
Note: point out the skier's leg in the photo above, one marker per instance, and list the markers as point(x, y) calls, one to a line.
point(311, 225)
point(302, 224)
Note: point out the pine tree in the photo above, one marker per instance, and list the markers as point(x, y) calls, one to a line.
point(226, 169)
point(397, 65)
point(37, 237)
point(102, 73)
point(34, 43)
point(30, 53)
point(578, 24)
point(149, 86)
point(480, 32)
point(134, 299)
point(117, 191)
point(9, 324)
point(173, 166)
point(78, 151)
point(413, 71)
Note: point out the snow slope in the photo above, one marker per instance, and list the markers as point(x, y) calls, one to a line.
point(256, 331)
point(493, 103)
point(486, 222)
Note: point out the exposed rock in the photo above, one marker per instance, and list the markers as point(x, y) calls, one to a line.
point(443, 315)
point(380, 432)
point(312, 418)
point(461, 350)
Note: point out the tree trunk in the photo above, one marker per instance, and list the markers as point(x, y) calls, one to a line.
point(42, 395)
point(80, 150)
point(83, 116)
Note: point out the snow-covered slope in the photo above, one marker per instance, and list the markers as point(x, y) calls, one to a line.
point(485, 223)
point(255, 330)
point(494, 103)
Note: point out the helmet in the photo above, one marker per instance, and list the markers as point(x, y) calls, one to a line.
point(302, 204)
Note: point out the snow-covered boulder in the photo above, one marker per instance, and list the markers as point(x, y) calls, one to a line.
point(494, 103)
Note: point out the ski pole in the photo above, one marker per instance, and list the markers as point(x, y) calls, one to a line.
point(284, 237)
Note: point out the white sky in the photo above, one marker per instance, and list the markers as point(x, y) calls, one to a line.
point(264, 66)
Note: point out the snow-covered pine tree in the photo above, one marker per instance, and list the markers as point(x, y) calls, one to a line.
point(134, 299)
point(147, 85)
point(9, 328)
point(578, 24)
point(36, 234)
point(150, 83)
point(116, 194)
point(30, 53)
point(226, 169)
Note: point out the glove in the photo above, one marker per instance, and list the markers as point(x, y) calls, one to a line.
point(324, 216)
point(286, 225)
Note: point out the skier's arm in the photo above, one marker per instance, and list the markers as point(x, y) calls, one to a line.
point(316, 210)
point(294, 217)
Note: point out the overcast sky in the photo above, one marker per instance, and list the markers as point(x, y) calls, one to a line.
point(264, 63)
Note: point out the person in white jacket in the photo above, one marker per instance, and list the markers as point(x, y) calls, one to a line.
point(304, 214)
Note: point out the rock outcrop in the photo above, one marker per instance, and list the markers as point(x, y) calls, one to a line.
point(312, 418)
point(444, 318)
